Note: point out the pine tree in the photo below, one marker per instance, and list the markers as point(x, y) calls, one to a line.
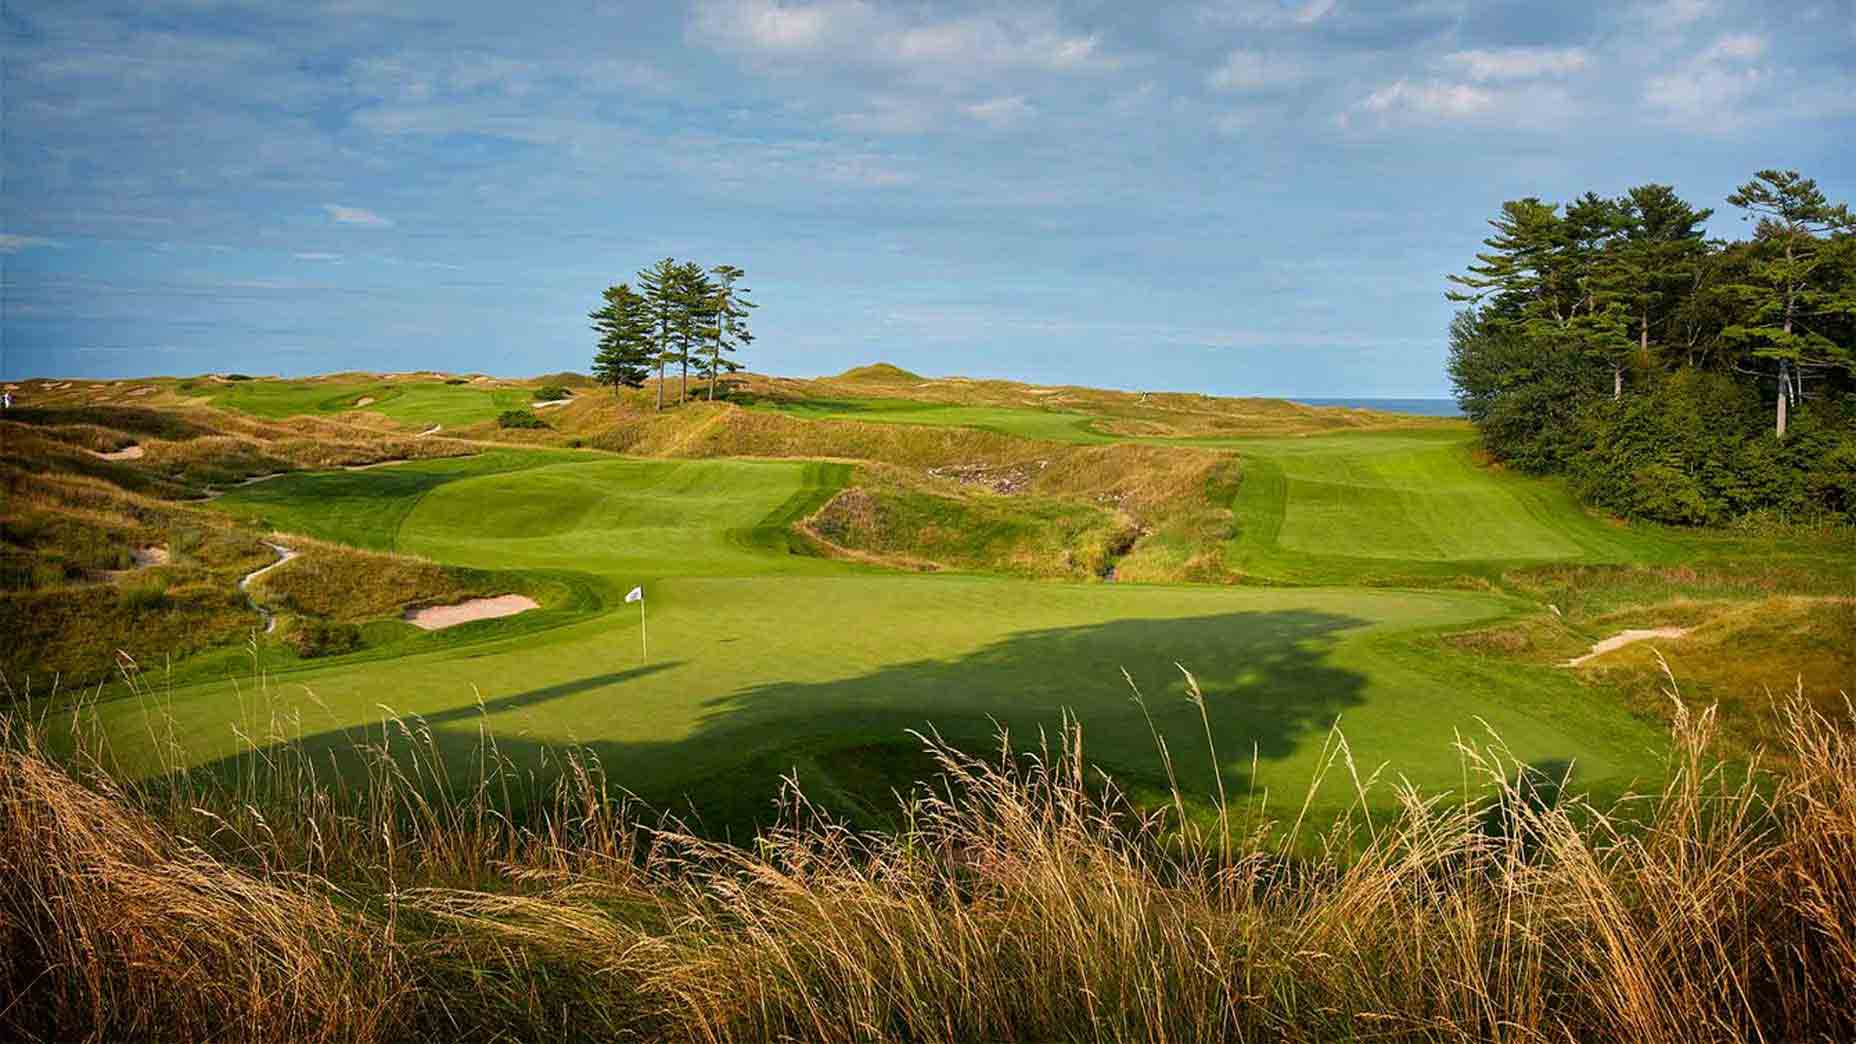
point(1784, 295)
point(1648, 265)
point(729, 331)
point(660, 283)
point(623, 322)
point(692, 314)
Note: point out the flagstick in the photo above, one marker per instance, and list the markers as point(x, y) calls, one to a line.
point(643, 639)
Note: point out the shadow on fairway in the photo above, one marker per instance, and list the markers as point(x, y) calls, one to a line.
point(1267, 682)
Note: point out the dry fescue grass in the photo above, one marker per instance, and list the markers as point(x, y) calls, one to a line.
point(71, 607)
point(340, 583)
point(1754, 626)
point(1023, 898)
point(900, 524)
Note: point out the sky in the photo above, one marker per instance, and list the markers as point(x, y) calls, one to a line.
point(1231, 196)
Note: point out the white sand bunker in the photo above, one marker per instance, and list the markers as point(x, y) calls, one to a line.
point(365, 400)
point(552, 402)
point(438, 617)
point(126, 453)
point(1623, 638)
point(144, 557)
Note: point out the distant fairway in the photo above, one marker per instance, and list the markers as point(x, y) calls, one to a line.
point(1333, 507)
point(763, 660)
point(409, 402)
point(1052, 425)
point(1342, 506)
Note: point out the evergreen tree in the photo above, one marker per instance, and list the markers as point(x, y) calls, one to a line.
point(1648, 266)
point(623, 355)
point(660, 283)
point(693, 314)
point(1785, 297)
point(728, 330)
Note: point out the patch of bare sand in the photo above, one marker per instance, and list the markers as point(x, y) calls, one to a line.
point(552, 402)
point(1623, 638)
point(130, 452)
point(365, 400)
point(144, 557)
point(438, 617)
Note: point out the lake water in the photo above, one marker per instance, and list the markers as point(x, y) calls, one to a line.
point(1425, 407)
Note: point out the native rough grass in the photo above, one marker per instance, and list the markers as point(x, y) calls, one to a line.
point(1021, 898)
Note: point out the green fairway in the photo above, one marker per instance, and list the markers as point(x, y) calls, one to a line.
point(1030, 423)
point(762, 660)
point(1332, 508)
point(422, 403)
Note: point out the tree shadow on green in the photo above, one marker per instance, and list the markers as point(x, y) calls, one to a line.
point(1266, 677)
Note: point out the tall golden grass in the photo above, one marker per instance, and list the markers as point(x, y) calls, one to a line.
point(1024, 897)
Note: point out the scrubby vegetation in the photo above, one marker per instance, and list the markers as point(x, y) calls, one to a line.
point(519, 419)
point(1022, 898)
point(1671, 377)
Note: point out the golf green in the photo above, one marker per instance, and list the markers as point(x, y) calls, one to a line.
point(762, 660)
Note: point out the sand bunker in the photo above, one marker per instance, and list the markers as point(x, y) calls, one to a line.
point(126, 453)
point(552, 402)
point(1623, 638)
point(438, 617)
point(433, 430)
point(144, 557)
point(365, 400)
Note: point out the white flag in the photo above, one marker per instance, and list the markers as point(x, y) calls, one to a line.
point(636, 595)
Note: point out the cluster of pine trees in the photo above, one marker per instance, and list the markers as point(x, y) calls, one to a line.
point(681, 313)
point(1671, 375)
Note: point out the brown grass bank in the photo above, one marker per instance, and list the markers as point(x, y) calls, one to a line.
point(1023, 899)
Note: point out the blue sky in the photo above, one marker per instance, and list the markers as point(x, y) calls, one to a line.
point(1235, 196)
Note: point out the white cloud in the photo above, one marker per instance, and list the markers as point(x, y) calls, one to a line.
point(1676, 14)
point(1714, 89)
point(317, 255)
point(1246, 70)
point(1433, 99)
point(356, 216)
point(11, 243)
point(1736, 47)
point(1002, 112)
point(861, 33)
point(1266, 13)
point(1519, 63)
point(1704, 96)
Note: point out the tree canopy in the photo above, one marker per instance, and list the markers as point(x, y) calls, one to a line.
point(1611, 339)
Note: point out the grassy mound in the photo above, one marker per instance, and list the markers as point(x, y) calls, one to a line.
point(882, 373)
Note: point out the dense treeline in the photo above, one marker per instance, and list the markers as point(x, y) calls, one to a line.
point(1671, 376)
point(681, 313)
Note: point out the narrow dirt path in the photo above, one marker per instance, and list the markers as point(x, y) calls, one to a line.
point(1623, 638)
point(284, 554)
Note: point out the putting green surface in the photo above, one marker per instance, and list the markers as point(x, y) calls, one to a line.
point(762, 660)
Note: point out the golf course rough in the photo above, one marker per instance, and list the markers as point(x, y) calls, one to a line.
point(765, 660)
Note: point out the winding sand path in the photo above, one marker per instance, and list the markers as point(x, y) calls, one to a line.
point(1623, 638)
point(284, 554)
